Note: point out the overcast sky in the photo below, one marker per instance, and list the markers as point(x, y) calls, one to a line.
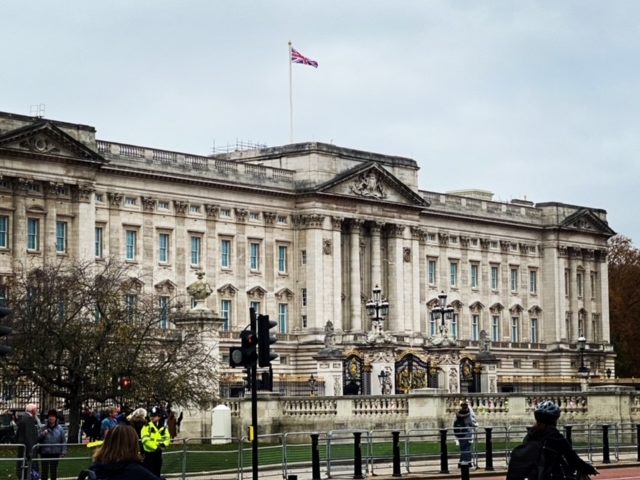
point(521, 98)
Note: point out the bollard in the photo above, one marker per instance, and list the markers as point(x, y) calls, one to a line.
point(315, 457)
point(357, 456)
point(567, 434)
point(638, 440)
point(444, 454)
point(605, 444)
point(464, 470)
point(396, 454)
point(488, 456)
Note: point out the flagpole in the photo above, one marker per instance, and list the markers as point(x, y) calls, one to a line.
point(290, 99)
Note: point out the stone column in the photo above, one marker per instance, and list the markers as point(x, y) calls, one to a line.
point(180, 242)
point(116, 233)
point(355, 300)
point(148, 234)
point(211, 252)
point(82, 238)
point(316, 280)
point(376, 276)
point(242, 266)
point(603, 295)
point(336, 283)
point(416, 259)
point(573, 295)
point(269, 255)
point(48, 234)
point(396, 278)
point(19, 244)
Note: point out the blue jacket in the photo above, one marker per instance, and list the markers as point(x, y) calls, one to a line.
point(52, 441)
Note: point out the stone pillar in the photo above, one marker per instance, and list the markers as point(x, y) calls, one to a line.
point(573, 296)
point(316, 284)
point(379, 366)
point(376, 275)
point(416, 259)
point(242, 307)
point(211, 252)
point(180, 242)
point(148, 240)
point(603, 295)
point(396, 278)
point(48, 234)
point(83, 234)
point(329, 370)
point(356, 288)
point(19, 244)
point(336, 283)
point(116, 232)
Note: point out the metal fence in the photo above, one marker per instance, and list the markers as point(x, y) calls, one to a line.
point(344, 453)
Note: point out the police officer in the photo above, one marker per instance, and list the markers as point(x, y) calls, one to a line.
point(155, 437)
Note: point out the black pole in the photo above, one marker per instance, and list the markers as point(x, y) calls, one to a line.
point(605, 444)
point(488, 456)
point(444, 453)
point(567, 434)
point(315, 457)
point(638, 440)
point(396, 454)
point(357, 456)
point(254, 405)
point(464, 470)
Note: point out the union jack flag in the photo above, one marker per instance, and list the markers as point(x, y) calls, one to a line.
point(297, 57)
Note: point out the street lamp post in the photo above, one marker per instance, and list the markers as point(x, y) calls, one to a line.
point(385, 384)
point(583, 371)
point(441, 313)
point(378, 309)
point(313, 385)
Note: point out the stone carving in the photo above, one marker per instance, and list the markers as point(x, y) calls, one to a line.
point(269, 217)
point(115, 198)
point(326, 246)
point(485, 243)
point(84, 191)
point(368, 185)
point(417, 233)
point(181, 207)
point(337, 385)
point(505, 245)
point(227, 290)
point(336, 223)
point(453, 380)
point(40, 144)
point(148, 204)
point(199, 290)
point(464, 241)
point(257, 292)
point(329, 335)
point(443, 238)
point(312, 220)
point(212, 210)
point(241, 214)
point(485, 343)
point(376, 227)
point(356, 225)
point(563, 251)
point(395, 230)
point(406, 254)
point(284, 293)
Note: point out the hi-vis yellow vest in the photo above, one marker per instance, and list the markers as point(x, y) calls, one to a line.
point(153, 437)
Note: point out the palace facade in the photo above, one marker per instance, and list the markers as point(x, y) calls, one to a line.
point(304, 233)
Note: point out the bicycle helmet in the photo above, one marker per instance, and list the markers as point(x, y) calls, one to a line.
point(547, 412)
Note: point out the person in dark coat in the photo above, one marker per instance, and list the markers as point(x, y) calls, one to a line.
point(566, 461)
point(463, 429)
point(52, 446)
point(90, 425)
point(27, 435)
point(119, 457)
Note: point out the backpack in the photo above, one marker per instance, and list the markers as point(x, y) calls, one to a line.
point(532, 460)
point(460, 428)
point(87, 475)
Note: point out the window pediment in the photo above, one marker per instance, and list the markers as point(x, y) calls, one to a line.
point(256, 292)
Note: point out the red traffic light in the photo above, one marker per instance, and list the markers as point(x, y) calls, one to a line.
point(125, 383)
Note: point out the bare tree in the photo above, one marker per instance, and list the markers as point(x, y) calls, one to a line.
point(624, 303)
point(81, 327)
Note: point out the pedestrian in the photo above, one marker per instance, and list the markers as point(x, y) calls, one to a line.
point(27, 435)
point(109, 422)
point(464, 425)
point(545, 454)
point(119, 457)
point(155, 437)
point(138, 419)
point(172, 424)
point(52, 446)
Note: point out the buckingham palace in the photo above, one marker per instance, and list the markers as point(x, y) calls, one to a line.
point(377, 285)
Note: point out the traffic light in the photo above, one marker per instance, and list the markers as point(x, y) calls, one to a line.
point(245, 355)
point(265, 339)
point(125, 383)
point(4, 329)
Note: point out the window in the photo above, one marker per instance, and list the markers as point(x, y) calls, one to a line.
point(453, 240)
point(4, 231)
point(254, 216)
point(99, 198)
point(474, 275)
point(431, 237)
point(256, 307)
point(282, 219)
point(4, 293)
point(163, 256)
point(595, 327)
point(304, 297)
point(131, 241)
point(33, 234)
point(566, 283)
point(493, 244)
point(593, 279)
point(433, 327)
point(225, 253)
point(282, 259)
point(164, 312)
point(163, 205)
point(581, 324)
point(283, 310)
point(454, 325)
point(535, 364)
point(453, 274)
point(195, 209)
point(225, 213)
point(61, 237)
point(533, 282)
point(303, 257)
point(254, 256)
point(225, 309)
point(432, 271)
point(131, 301)
point(475, 327)
point(515, 329)
point(534, 330)
point(196, 249)
point(514, 279)
point(580, 283)
point(99, 241)
point(474, 242)
point(517, 364)
point(495, 278)
point(495, 328)
point(130, 201)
